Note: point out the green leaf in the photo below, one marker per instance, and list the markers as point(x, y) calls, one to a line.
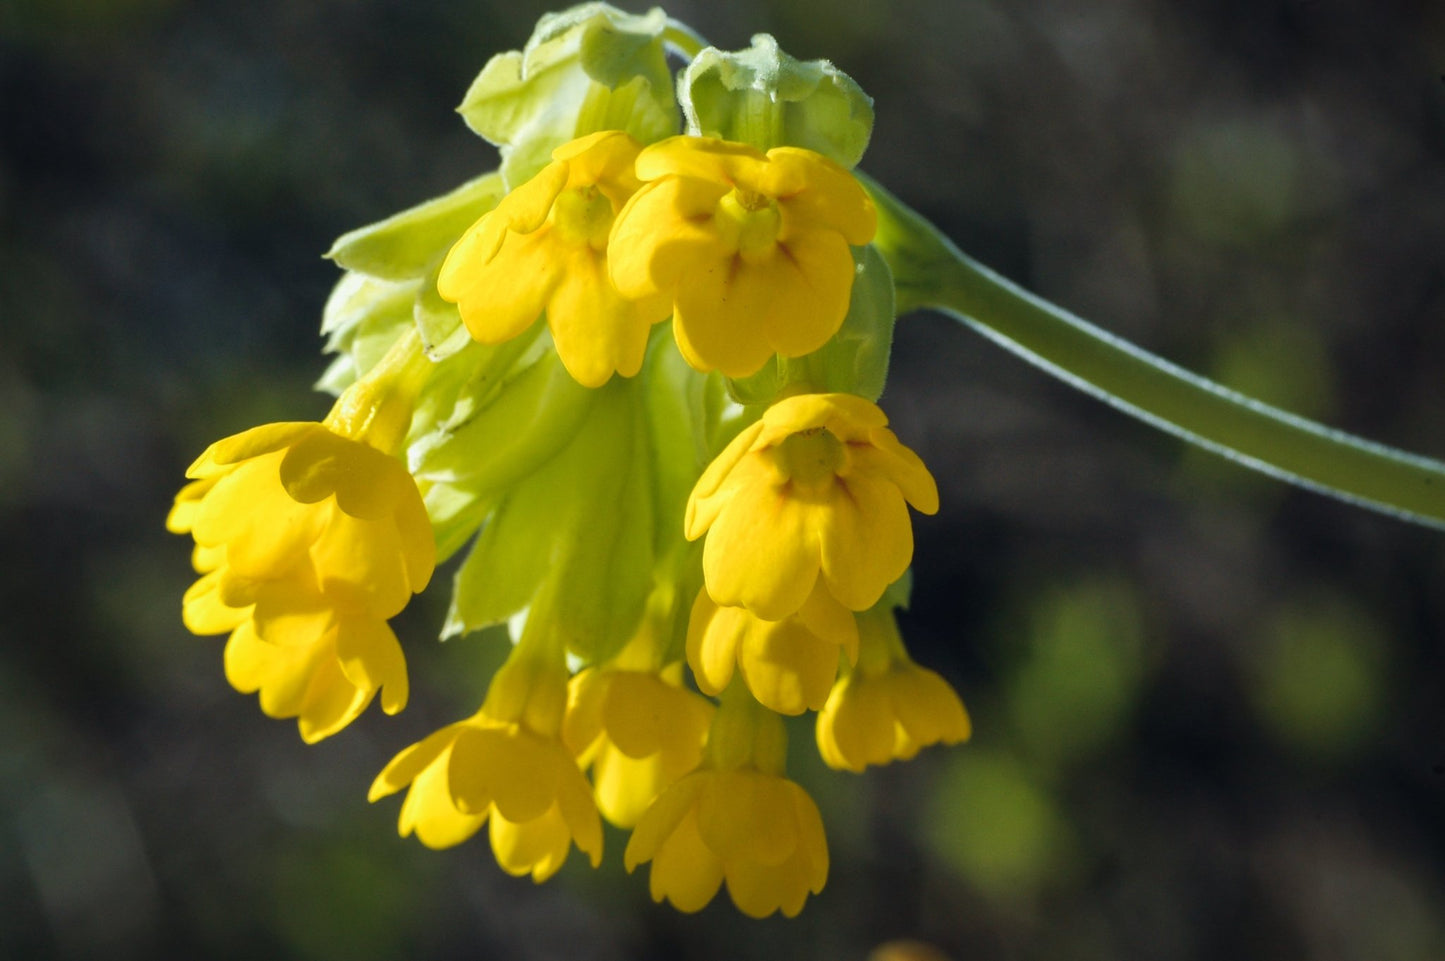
point(930, 272)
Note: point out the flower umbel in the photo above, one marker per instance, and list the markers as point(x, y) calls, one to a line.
point(814, 492)
point(545, 248)
point(750, 249)
point(730, 503)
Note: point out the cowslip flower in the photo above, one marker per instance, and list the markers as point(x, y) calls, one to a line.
point(788, 665)
point(887, 708)
point(750, 249)
point(737, 820)
point(308, 540)
point(505, 766)
point(816, 492)
point(545, 248)
point(639, 731)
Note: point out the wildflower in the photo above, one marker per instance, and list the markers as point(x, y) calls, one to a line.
point(816, 487)
point(738, 820)
point(887, 708)
point(545, 248)
point(309, 537)
point(506, 765)
point(750, 249)
point(789, 665)
point(640, 731)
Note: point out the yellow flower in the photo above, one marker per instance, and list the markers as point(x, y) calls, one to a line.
point(788, 665)
point(505, 765)
point(737, 819)
point(544, 248)
point(887, 708)
point(639, 730)
point(816, 487)
point(751, 249)
point(760, 833)
point(308, 541)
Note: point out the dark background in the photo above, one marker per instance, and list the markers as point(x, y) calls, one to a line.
point(1210, 710)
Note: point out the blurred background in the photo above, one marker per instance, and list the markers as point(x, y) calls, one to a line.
point(1209, 709)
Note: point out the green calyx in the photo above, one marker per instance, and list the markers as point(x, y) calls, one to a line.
point(766, 98)
point(585, 69)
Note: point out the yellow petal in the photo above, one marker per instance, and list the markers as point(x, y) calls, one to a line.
point(516, 771)
point(661, 232)
point(332, 702)
point(866, 540)
point(428, 811)
point(814, 192)
point(597, 333)
point(409, 764)
point(713, 636)
point(203, 611)
point(787, 667)
point(504, 297)
point(371, 659)
point(249, 444)
point(762, 553)
point(707, 158)
point(716, 327)
point(537, 847)
point(886, 457)
point(704, 503)
point(743, 815)
point(685, 871)
point(662, 819)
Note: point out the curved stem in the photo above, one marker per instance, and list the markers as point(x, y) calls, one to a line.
point(930, 272)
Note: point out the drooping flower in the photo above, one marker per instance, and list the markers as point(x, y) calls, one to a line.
point(814, 492)
point(788, 665)
point(545, 248)
point(887, 708)
point(639, 731)
point(505, 766)
point(737, 820)
point(750, 249)
point(308, 541)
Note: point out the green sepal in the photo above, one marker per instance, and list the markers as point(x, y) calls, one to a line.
point(524, 423)
point(438, 321)
point(363, 317)
point(764, 97)
point(853, 361)
point(589, 68)
point(579, 528)
point(680, 421)
point(406, 245)
point(455, 514)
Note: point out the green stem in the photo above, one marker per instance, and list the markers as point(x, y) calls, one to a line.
point(930, 272)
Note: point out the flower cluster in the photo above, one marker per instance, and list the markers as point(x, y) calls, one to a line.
point(721, 499)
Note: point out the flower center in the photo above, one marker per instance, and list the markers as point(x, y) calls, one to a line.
point(811, 457)
point(583, 215)
point(750, 221)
